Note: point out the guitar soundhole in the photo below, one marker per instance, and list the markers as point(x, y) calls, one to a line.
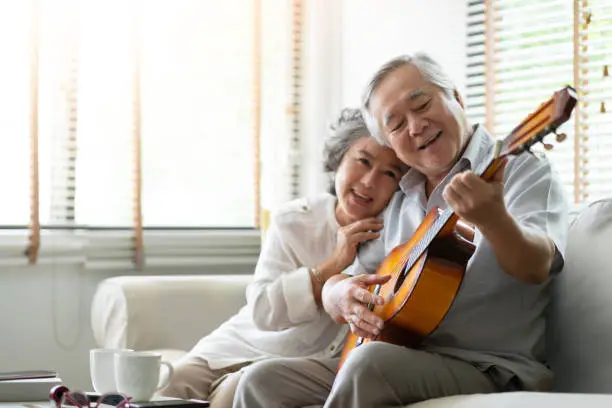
point(399, 282)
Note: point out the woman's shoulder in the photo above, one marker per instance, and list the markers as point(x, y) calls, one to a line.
point(304, 209)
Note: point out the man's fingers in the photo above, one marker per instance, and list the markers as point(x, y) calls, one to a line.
point(367, 318)
point(360, 332)
point(372, 279)
point(365, 296)
point(451, 196)
point(363, 328)
point(465, 182)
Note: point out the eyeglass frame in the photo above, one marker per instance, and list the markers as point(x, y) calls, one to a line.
point(59, 392)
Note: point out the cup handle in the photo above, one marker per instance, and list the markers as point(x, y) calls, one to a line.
point(168, 377)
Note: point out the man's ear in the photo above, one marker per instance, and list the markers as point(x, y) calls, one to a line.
point(459, 98)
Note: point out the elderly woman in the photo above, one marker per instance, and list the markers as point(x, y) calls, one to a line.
point(308, 241)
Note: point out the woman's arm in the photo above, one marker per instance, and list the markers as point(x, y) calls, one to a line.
point(281, 294)
point(286, 293)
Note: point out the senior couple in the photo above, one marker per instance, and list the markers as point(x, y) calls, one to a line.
point(409, 148)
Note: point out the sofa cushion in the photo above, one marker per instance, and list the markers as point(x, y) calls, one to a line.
point(519, 399)
point(163, 312)
point(170, 355)
point(579, 336)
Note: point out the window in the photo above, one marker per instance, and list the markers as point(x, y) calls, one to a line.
point(129, 115)
point(520, 52)
point(14, 121)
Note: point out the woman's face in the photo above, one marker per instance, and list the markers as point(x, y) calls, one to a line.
point(366, 179)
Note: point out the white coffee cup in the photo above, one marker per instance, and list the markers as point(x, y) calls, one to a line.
point(137, 374)
point(102, 369)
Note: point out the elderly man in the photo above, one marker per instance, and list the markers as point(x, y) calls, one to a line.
point(492, 339)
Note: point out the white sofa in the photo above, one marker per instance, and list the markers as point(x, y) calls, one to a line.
point(170, 313)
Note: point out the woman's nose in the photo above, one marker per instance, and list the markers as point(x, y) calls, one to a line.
point(368, 179)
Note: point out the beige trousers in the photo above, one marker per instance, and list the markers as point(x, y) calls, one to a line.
point(375, 375)
point(193, 378)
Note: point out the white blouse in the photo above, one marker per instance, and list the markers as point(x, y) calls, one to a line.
point(281, 317)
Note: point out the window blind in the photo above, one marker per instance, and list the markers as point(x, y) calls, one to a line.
point(15, 123)
point(519, 52)
point(145, 115)
point(297, 15)
point(197, 113)
point(594, 31)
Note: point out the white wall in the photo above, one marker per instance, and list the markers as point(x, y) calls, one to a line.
point(44, 315)
point(375, 31)
point(362, 35)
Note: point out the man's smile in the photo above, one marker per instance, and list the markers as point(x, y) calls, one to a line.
point(430, 141)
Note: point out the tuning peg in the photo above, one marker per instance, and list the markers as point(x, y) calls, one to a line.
point(529, 152)
point(561, 137)
point(547, 146)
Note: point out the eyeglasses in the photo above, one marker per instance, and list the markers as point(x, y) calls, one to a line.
point(61, 397)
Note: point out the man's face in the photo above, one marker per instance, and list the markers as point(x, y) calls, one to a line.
point(425, 128)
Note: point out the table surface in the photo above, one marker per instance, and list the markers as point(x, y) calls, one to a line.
point(45, 404)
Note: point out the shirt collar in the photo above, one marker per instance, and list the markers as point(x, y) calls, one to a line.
point(477, 150)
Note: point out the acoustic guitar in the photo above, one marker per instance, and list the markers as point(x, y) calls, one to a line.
point(427, 271)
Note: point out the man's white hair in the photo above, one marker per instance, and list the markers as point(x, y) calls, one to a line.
point(431, 71)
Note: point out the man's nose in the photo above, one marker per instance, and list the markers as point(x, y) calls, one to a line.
point(416, 125)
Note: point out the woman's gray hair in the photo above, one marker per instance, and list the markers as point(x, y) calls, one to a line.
point(348, 127)
point(431, 71)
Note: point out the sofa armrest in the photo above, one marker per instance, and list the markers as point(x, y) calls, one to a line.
point(163, 312)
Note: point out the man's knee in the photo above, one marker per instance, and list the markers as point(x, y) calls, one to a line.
point(258, 375)
point(366, 358)
point(257, 384)
point(371, 360)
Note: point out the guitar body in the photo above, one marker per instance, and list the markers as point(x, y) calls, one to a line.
point(421, 298)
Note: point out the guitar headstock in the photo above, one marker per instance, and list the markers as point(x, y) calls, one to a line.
point(544, 121)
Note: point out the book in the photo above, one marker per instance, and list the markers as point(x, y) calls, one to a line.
point(26, 374)
point(27, 389)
